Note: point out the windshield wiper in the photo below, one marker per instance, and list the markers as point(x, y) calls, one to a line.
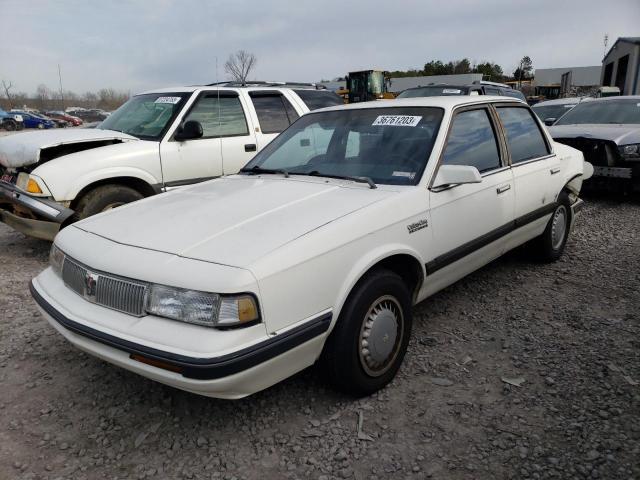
point(257, 169)
point(360, 179)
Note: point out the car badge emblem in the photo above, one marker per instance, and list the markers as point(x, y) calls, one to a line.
point(90, 283)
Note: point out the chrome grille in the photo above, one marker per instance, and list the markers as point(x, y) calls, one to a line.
point(109, 291)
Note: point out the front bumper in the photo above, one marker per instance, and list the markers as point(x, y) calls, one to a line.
point(232, 375)
point(34, 216)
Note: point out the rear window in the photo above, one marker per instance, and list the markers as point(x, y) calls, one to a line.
point(523, 134)
point(315, 99)
point(275, 113)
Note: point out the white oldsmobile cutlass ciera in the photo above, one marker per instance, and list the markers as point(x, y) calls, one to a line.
point(317, 249)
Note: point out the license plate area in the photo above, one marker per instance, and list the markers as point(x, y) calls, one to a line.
point(9, 178)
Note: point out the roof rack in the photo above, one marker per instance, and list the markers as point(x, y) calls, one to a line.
point(261, 83)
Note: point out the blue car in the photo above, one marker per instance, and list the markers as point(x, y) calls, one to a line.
point(32, 120)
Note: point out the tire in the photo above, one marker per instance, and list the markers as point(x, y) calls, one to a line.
point(549, 246)
point(104, 198)
point(10, 125)
point(377, 311)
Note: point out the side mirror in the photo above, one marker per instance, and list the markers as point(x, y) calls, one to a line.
point(456, 175)
point(550, 121)
point(189, 131)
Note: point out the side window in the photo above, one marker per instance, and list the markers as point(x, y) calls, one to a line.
point(524, 137)
point(491, 91)
point(472, 141)
point(275, 113)
point(220, 116)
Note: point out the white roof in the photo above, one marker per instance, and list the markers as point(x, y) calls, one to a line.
point(446, 102)
point(193, 88)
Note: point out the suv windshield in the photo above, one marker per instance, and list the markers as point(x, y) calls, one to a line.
point(388, 145)
point(146, 116)
point(551, 111)
point(435, 91)
point(622, 111)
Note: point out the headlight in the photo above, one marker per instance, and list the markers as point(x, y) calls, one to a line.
point(201, 308)
point(56, 259)
point(630, 152)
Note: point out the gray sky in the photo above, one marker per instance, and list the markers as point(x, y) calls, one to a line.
point(136, 45)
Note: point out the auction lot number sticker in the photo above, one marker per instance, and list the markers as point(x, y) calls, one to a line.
point(397, 120)
point(173, 100)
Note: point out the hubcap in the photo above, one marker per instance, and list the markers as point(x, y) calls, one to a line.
point(380, 336)
point(558, 227)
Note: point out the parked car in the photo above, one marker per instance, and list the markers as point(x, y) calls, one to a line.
point(93, 115)
point(11, 121)
point(480, 88)
point(317, 250)
point(551, 110)
point(607, 131)
point(33, 120)
point(59, 123)
point(155, 142)
point(70, 119)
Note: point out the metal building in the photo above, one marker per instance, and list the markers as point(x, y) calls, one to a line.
point(621, 66)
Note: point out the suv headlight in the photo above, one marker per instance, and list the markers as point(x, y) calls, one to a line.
point(202, 308)
point(630, 152)
point(56, 259)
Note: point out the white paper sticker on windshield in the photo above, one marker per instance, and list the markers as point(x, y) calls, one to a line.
point(410, 175)
point(569, 106)
point(397, 120)
point(451, 90)
point(173, 100)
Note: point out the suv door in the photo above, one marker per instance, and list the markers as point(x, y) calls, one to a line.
point(535, 167)
point(274, 114)
point(226, 145)
point(469, 221)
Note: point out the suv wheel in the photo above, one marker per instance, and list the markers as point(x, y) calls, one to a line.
point(104, 198)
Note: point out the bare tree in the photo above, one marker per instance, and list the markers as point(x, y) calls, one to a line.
point(43, 94)
point(6, 91)
point(240, 64)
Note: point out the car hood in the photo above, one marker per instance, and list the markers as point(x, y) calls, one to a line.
point(620, 134)
point(27, 148)
point(234, 220)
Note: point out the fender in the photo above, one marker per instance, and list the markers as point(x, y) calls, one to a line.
point(364, 264)
point(108, 173)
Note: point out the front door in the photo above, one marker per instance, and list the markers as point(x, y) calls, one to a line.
point(226, 145)
point(468, 221)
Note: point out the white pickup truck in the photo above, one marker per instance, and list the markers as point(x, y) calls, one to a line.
point(156, 141)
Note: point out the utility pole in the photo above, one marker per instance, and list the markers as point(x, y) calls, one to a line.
point(61, 92)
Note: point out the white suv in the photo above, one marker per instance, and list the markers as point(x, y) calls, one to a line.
point(156, 141)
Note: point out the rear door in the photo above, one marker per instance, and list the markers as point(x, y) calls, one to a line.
point(227, 143)
point(274, 113)
point(536, 170)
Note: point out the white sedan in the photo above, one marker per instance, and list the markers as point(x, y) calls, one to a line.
point(317, 249)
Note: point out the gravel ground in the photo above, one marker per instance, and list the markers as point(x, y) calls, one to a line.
point(519, 371)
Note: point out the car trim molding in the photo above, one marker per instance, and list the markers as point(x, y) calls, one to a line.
point(468, 248)
point(195, 367)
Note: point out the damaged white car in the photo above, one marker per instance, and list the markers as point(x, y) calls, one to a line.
point(155, 142)
point(317, 250)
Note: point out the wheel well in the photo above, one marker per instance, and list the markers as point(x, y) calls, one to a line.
point(406, 267)
point(139, 185)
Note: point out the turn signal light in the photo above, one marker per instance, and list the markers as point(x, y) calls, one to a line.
point(33, 187)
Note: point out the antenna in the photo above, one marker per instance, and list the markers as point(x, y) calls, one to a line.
point(219, 119)
point(61, 93)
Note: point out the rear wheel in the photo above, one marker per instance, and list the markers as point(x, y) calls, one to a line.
point(549, 246)
point(104, 198)
point(369, 342)
point(10, 125)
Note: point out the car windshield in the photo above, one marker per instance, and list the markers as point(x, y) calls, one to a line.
point(551, 111)
point(146, 116)
point(623, 111)
point(433, 92)
point(387, 145)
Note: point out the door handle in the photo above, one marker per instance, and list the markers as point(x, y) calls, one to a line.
point(554, 170)
point(250, 147)
point(503, 188)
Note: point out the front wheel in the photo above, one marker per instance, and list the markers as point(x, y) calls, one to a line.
point(10, 125)
point(104, 198)
point(370, 339)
